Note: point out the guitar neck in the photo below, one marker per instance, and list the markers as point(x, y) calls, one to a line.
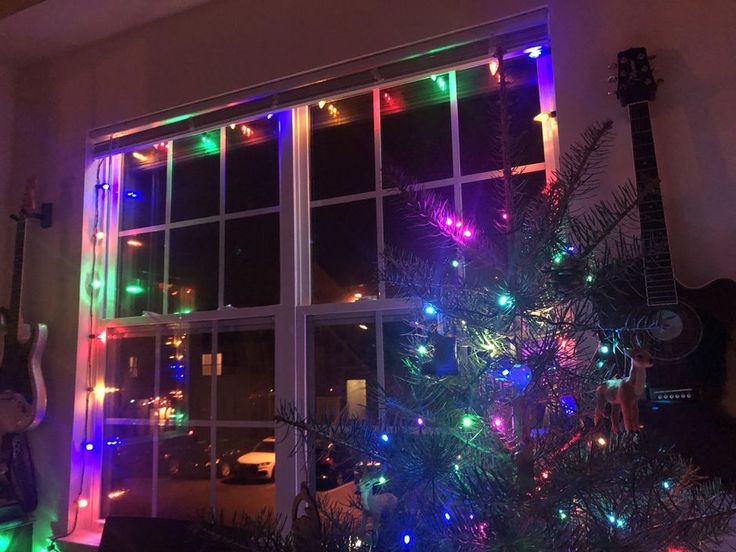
point(13, 320)
point(658, 274)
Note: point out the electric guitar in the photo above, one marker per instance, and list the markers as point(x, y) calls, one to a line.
point(22, 389)
point(688, 343)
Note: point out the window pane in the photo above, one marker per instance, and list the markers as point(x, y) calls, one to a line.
point(127, 469)
point(186, 368)
point(252, 165)
point(483, 201)
point(341, 147)
point(395, 344)
point(405, 234)
point(415, 128)
point(143, 201)
point(140, 274)
point(193, 268)
point(344, 252)
point(478, 114)
point(131, 365)
point(344, 369)
point(252, 267)
point(196, 177)
point(245, 384)
point(250, 488)
point(184, 472)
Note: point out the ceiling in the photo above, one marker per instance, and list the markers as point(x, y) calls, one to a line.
point(31, 30)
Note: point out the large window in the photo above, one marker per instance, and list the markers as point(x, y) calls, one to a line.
point(263, 240)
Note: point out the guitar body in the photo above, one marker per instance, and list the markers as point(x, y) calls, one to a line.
point(22, 389)
point(708, 316)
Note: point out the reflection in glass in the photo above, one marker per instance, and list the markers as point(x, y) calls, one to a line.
point(344, 252)
point(195, 185)
point(344, 372)
point(184, 472)
point(140, 274)
point(478, 114)
point(127, 471)
point(193, 268)
point(341, 147)
point(143, 199)
point(249, 454)
point(185, 378)
point(252, 261)
point(252, 165)
point(133, 362)
point(395, 348)
point(245, 388)
point(415, 128)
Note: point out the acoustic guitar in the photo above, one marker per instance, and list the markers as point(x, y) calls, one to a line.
point(692, 332)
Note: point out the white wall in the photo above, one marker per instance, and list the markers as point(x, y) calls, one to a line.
point(232, 44)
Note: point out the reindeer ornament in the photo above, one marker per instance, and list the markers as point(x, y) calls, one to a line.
point(624, 393)
point(374, 505)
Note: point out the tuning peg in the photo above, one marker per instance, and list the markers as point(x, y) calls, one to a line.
point(612, 93)
point(613, 66)
point(612, 78)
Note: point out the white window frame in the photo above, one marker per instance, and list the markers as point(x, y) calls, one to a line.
point(291, 317)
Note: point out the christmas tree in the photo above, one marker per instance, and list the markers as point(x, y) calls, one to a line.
point(489, 442)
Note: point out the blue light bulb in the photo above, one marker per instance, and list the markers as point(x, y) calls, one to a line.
point(407, 538)
point(384, 437)
point(430, 310)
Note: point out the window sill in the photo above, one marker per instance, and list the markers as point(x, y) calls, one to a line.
point(82, 541)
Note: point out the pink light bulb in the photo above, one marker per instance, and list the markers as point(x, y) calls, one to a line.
point(467, 233)
point(505, 215)
point(458, 224)
point(498, 422)
point(448, 221)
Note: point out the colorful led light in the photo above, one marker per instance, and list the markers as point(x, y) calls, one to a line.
point(605, 349)
point(139, 156)
point(134, 289)
point(83, 502)
point(534, 52)
point(448, 221)
point(447, 516)
point(493, 66)
point(134, 243)
point(96, 284)
point(420, 421)
point(133, 195)
point(467, 233)
point(99, 235)
point(498, 422)
point(467, 421)
point(455, 263)
point(381, 480)
point(406, 538)
point(88, 446)
point(422, 349)
point(504, 301)
point(601, 441)
point(384, 437)
point(430, 310)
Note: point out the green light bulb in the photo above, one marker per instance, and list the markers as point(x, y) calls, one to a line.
point(563, 515)
point(589, 279)
point(134, 289)
point(504, 301)
point(422, 349)
point(96, 284)
point(467, 421)
point(605, 349)
point(557, 259)
point(381, 480)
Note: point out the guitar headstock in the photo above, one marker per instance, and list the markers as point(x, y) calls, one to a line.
point(635, 78)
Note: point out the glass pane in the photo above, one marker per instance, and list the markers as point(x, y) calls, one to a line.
point(195, 188)
point(344, 252)
point(344, 370)
point(184, 472)
point(405, 232)
point(248, 455)
point(143, 201)
point(127, 470)
point(131, 365)
point(483, 201)
point(415, 128)
point(341, 147)
point(186, 368)
point(252, 165)
point(193, 268)
point(478, 114)
point(252, 268)
point(140, 274)
point(395, 344)
point(246, 380)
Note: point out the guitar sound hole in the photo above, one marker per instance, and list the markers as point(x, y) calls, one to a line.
point(668, 325)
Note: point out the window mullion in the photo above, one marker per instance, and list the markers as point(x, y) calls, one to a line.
point(455, 134)
point(221, 241)
point(167, 231)
point(378, 162)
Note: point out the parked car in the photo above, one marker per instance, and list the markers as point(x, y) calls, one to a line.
point(334, 465)
point(188, 456)
point(260, 463)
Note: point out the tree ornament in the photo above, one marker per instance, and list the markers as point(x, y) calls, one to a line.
point(444, 361)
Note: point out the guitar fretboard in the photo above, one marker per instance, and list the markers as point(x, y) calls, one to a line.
point(658, 275)
point(15, 287)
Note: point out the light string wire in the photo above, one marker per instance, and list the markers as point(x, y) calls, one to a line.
point(99, 187)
